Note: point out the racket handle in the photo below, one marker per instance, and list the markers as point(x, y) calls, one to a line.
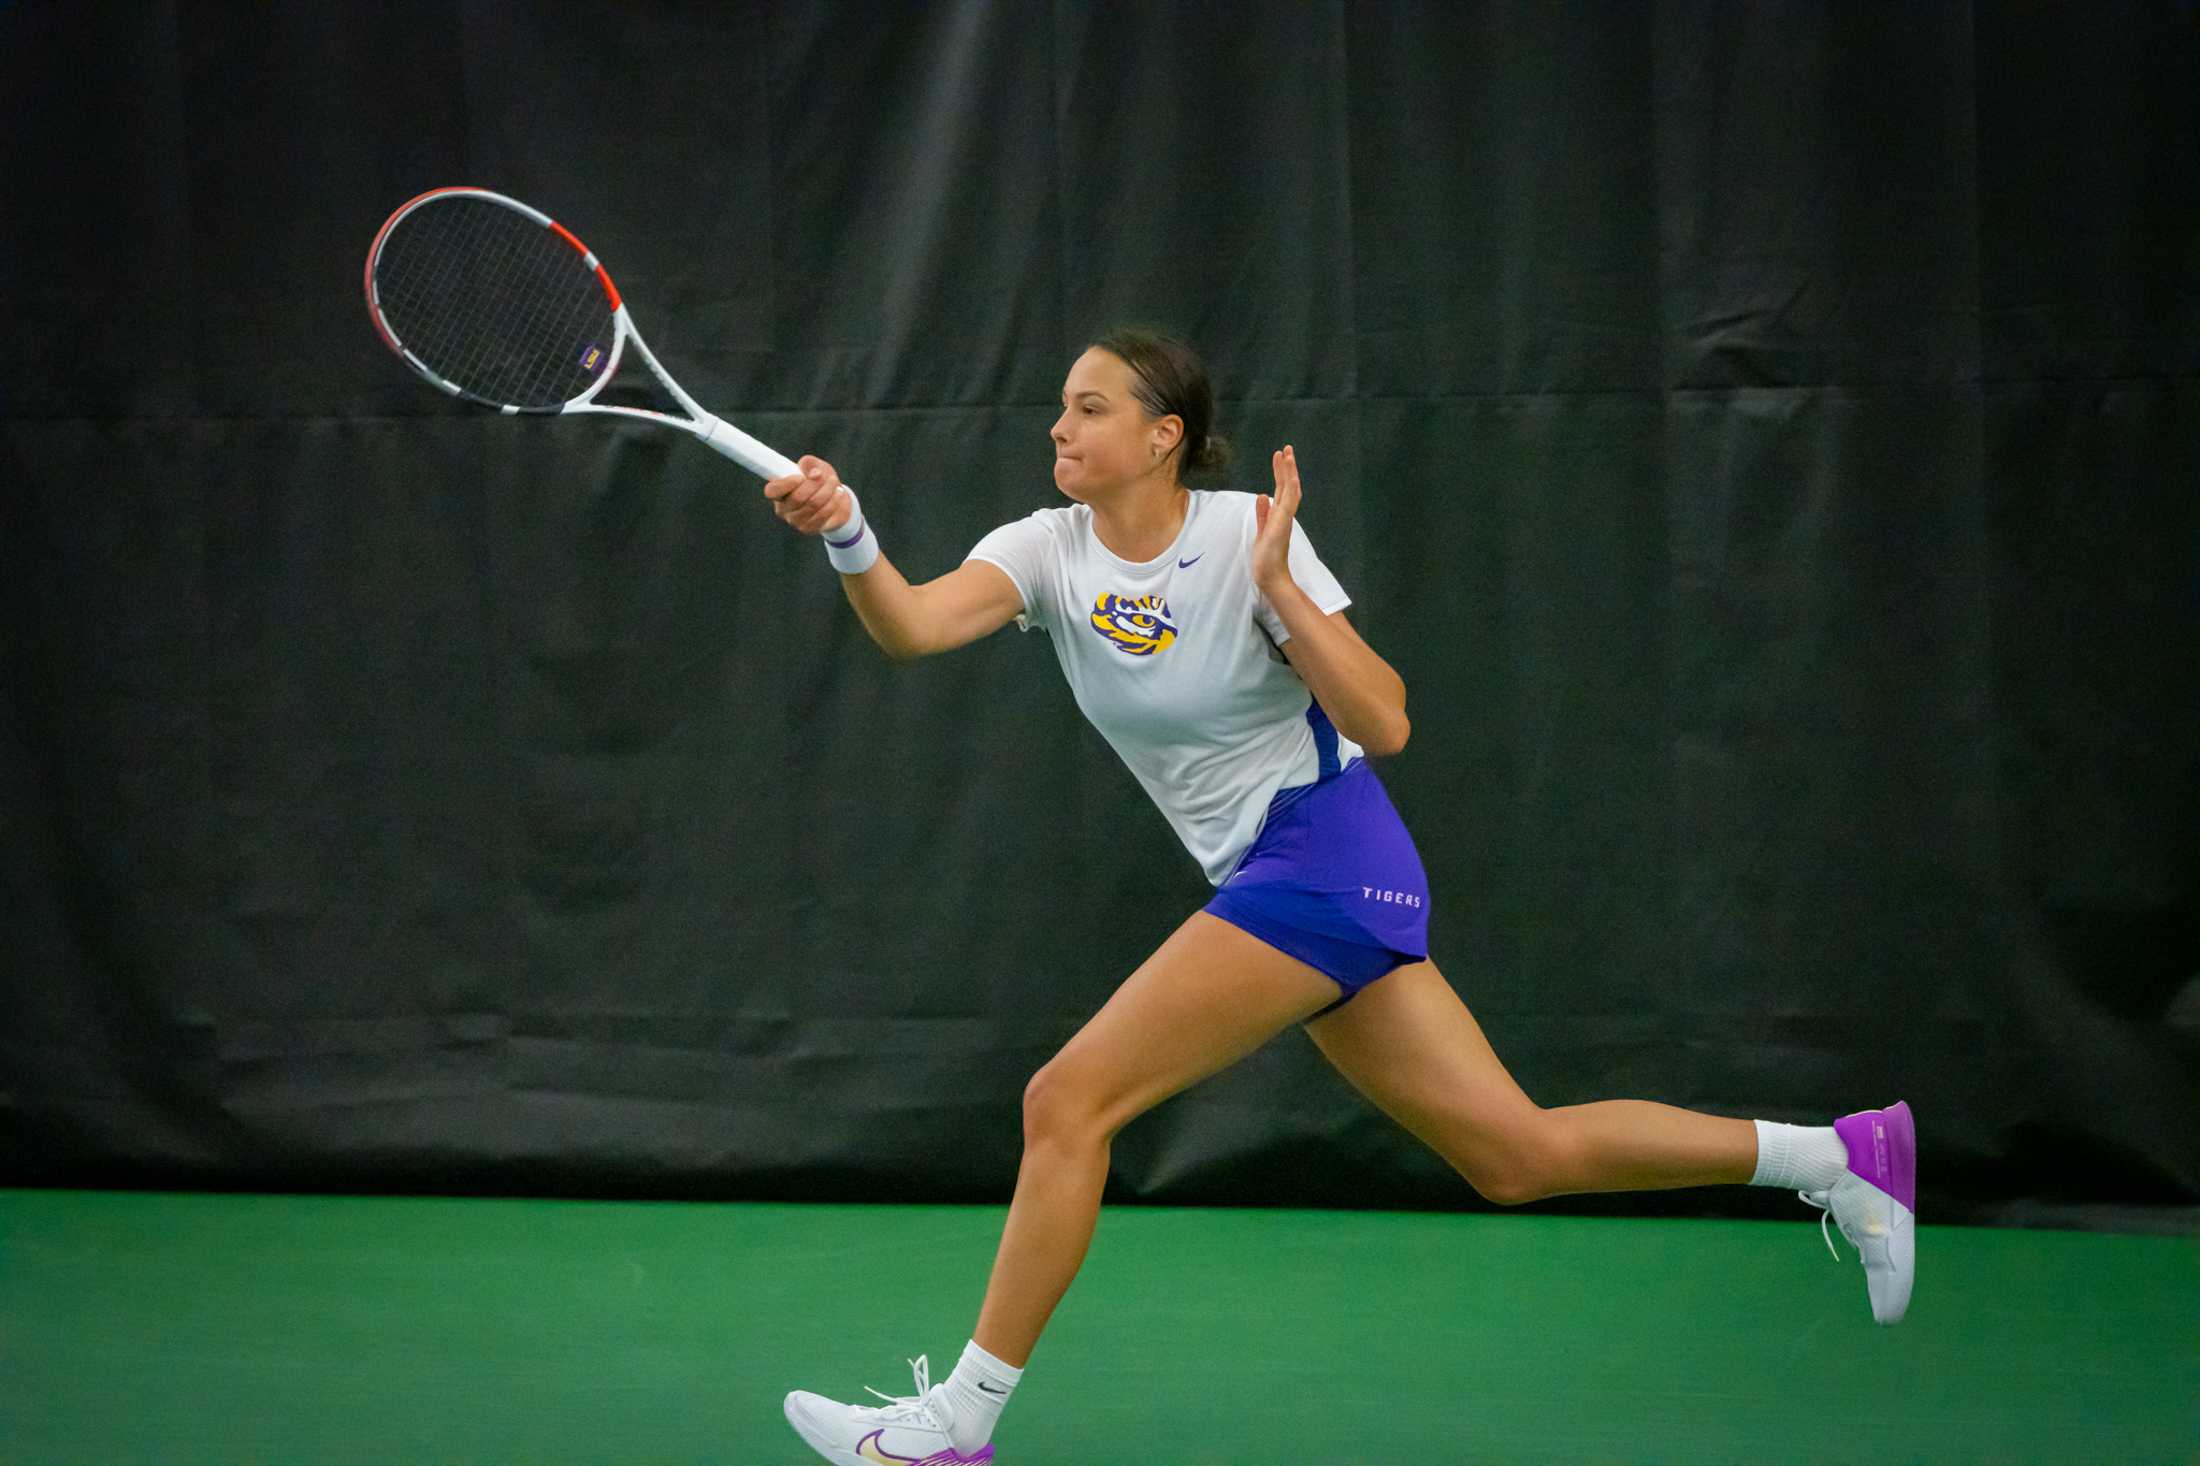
point(756, 457)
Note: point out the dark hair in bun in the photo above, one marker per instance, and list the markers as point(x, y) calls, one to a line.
point(1172, 380)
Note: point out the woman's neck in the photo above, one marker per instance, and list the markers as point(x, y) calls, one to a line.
point(1142, 519)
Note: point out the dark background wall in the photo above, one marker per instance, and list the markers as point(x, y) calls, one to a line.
point(1765, 437)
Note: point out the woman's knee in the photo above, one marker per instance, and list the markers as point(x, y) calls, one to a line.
point(1059, 1109)
point(1528, 1160)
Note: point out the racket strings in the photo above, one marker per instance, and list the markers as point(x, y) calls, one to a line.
point(508, 322)
point(494, 303)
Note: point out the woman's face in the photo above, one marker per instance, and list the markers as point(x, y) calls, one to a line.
point(1104, 438)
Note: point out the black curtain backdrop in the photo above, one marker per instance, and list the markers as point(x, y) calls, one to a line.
point(1765, 436)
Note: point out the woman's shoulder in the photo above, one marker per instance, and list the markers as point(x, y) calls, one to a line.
point(1224, 511)
point(1064, 516)
point(1053, 524)
point(1225, 504)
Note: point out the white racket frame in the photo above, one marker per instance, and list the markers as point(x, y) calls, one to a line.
point(756, 456)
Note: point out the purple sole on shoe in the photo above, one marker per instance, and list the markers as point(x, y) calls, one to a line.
point(1883, 1150)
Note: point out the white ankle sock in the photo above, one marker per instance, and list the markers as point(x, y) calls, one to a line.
point(1799, 1157)
point(976, 1391)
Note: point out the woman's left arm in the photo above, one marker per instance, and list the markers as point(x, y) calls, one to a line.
point(1363, 696)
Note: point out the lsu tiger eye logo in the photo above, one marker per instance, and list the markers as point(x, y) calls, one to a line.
point(1139, 628)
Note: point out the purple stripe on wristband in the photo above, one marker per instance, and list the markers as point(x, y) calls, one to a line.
point(855, 538)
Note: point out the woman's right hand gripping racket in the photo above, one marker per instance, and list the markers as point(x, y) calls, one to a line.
point(498, 304)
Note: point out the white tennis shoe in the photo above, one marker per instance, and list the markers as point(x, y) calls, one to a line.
point(1875, 1203)
point(905, 1431)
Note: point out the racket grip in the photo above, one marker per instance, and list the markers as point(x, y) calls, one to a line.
point(756, 457)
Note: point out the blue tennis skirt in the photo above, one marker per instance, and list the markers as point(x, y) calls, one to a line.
point(1333, 880)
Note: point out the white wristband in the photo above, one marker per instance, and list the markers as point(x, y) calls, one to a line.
point(852, 548)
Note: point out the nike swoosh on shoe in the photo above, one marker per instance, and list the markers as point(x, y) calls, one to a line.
point(870, 1450)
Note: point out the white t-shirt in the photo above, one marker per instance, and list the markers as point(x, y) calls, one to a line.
point(1176, 662)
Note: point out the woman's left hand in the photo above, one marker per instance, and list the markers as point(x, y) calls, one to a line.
point(1272, 516)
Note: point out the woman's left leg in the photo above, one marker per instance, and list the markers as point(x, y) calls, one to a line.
point(1409, 1044)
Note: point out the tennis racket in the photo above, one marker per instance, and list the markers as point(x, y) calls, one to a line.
point(499, 304)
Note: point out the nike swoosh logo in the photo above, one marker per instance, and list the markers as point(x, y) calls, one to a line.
point(989, 1389)
point(1188, 564)
point(871, 1450)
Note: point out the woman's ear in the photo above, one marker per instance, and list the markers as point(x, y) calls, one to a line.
point(1165, 434)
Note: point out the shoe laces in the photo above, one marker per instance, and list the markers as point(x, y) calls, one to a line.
point(910, 1409)
point(1823, 1200)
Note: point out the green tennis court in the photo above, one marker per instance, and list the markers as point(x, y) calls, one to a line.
point(198, 1328)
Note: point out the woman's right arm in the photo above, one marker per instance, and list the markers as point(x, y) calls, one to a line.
point(974, 600)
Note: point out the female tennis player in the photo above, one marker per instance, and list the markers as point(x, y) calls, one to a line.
point(1208, 643)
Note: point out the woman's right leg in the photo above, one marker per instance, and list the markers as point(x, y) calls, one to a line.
point(1211, 995)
